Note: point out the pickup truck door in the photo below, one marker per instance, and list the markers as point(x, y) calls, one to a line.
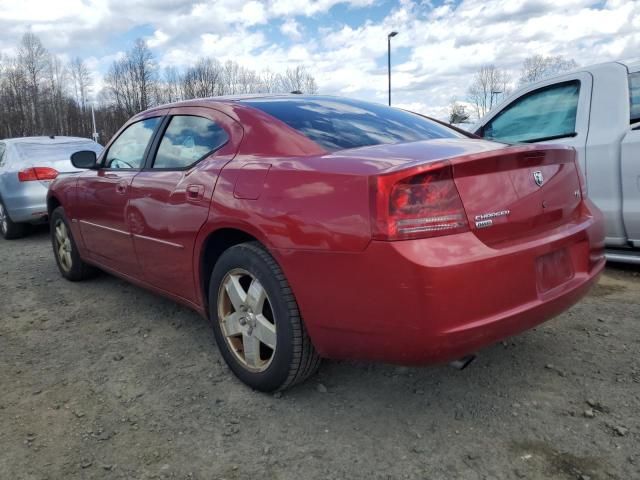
point(630, 165)
point(551, 111)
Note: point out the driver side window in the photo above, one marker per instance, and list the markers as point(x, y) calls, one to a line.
point(127, 151)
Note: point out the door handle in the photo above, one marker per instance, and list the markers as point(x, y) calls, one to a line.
point(121, 187)
point(195, 192)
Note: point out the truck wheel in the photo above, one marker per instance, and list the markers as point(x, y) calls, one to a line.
point(256, 320)
point(71, 266)
point(8, 228)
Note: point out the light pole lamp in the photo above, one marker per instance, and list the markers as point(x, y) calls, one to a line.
point(493, 92)
point(392, 34)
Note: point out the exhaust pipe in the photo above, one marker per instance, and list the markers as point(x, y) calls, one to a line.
point(463, 362)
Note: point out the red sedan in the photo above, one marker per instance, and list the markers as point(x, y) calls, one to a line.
point(310, 226)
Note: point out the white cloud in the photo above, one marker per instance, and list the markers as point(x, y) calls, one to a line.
point(434, 55)
point(291, 29)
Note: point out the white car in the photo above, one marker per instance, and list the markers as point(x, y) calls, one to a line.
point(596, 110)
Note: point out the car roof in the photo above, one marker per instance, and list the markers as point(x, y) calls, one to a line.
point(241, 98)
point(45, 140)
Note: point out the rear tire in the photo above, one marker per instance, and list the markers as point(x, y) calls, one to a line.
point(71, 266)
point(256, 320)
point(9, 229)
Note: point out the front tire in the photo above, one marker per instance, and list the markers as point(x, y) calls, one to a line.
point(256, 320)
point(8, 228)
point(71, 266)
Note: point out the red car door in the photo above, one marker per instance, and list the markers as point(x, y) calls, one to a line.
point(103, 197)
point(170, 198)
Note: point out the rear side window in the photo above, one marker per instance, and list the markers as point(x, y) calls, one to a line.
point(634, 96)
point(2, 149)
point(544, 114)
point(337, 124)
point(187, 140)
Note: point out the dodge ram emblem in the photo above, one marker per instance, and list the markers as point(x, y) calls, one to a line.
point(537, 176)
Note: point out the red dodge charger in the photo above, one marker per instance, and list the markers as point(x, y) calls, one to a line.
point(312, 226)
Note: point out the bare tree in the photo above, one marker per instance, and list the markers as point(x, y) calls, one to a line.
point(204, 79)
point(57, 93)
point(142, 68)
point(131, 80)
point(489, 85)
point(537, 67)
point(298, 79)
point(33, 58)
point(171, 85)
point(41, 94)
point(269, 81)
point(81, 78)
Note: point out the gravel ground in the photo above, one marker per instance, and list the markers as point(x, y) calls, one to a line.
point(104, 380)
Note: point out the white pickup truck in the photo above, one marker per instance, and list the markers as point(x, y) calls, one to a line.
point(596, 110)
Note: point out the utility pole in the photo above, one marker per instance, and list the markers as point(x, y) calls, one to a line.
point(392, 34)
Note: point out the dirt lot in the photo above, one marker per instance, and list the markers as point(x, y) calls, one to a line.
point(104, 380)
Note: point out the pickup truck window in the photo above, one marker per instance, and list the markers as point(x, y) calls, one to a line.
point(544, 114)
point(634, 96)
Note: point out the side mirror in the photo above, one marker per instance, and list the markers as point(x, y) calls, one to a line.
point(84, 159)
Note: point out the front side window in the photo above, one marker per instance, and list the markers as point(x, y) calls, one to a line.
point(187, 140)
point(127, 151)
point(340, 123)
point(543, 114)
point(634, 96)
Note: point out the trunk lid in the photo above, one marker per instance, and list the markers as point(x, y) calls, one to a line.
point(54, 153)
point(518, 191)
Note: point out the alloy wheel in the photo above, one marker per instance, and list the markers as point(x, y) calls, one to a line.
point(247, 320)
point(63, 245)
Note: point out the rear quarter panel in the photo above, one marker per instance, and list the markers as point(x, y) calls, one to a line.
point(300, 206)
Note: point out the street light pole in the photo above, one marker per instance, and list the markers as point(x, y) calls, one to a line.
point(392, 34)
point(493, 92)
point(94, 134)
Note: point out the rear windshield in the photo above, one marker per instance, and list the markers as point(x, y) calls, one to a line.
point(634, 96)
point(338, 124)
point(43, 152)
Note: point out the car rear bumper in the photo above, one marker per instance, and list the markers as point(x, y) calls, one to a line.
point(432, 300)
point(28, 203)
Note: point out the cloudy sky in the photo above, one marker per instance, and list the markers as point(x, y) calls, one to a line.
point(342, 42)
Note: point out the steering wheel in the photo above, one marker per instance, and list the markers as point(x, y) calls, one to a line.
point(117, 163)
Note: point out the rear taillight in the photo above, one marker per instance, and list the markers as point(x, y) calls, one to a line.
point(37, 173)
point(419, 203)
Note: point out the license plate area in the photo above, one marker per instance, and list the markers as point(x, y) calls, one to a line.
point(553, 270)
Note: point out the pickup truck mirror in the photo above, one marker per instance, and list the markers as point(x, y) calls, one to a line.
point(84, 159)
